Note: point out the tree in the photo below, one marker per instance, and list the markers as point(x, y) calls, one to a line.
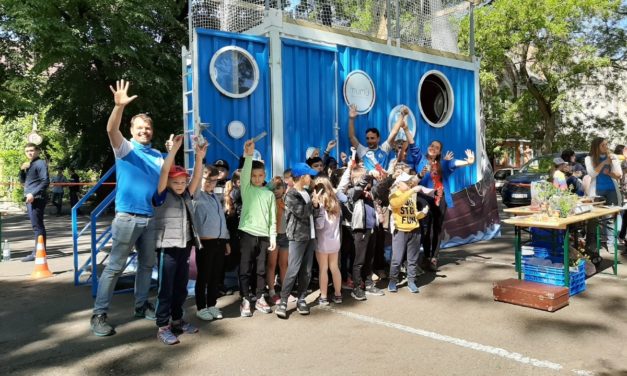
point(534, 55)
point(63, 55)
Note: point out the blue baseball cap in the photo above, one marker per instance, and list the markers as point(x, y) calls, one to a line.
point(301, 169)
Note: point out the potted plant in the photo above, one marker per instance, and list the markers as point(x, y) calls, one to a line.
point(564, 203)
point(541, 192)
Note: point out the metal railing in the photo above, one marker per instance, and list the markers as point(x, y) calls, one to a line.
point(98, 241)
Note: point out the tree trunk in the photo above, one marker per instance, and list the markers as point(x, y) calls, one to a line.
point(545, 104)
point(382, 31)
point(549, 133)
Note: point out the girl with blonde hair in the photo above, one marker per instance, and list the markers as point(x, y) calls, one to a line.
point(328, 231)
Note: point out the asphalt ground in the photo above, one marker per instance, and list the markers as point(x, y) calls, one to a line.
point(452, 327)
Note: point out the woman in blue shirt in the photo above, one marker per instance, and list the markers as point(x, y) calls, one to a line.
point(603, 168)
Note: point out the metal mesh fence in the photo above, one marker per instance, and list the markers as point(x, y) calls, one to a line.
point(427, 23)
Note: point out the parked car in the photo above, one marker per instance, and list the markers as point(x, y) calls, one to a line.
point(500, 175)
point(516, 190)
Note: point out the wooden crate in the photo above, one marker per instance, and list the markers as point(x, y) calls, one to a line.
point(530, 294)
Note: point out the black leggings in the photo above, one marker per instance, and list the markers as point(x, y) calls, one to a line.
point(209, 264)
point(432, 229)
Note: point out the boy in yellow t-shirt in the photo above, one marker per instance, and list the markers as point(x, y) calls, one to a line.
point(406, 234)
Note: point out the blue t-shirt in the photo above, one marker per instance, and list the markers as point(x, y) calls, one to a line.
point(604, 182)
point(380, 155)
point(137, 174)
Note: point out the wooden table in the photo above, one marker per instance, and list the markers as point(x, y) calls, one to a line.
point(552, 223)
point(526, 210)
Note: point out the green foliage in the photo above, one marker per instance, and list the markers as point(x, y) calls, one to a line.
point(534, 56)
point(57, 149)
point(10, 162)
point(70, 51)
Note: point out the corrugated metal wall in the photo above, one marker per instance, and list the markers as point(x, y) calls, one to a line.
point(396, 82)
point(309, 98)
point(219, 110)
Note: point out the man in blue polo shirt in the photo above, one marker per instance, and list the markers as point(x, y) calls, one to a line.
point(137, 174)
point(372, 154)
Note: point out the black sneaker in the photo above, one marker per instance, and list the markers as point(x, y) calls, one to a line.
point(302, 307)
point(100, 327)
point(358, 294)
point(374, 290)
point(28, 258)
point(281, 310)
point(147, 311)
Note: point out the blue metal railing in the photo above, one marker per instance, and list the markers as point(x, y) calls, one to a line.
point(97, 241)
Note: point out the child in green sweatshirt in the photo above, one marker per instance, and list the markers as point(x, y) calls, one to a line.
point(257, 227)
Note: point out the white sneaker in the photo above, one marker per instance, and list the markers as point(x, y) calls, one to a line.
point(205, 314)
point(215, 312)
point(244, 308)
point(262, 306)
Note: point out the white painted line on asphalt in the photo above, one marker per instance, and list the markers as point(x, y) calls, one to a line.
point(517, 357)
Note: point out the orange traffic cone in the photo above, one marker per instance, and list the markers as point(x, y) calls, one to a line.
point(41, 265)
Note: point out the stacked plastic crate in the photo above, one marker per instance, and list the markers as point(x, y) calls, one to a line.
point(543, 261)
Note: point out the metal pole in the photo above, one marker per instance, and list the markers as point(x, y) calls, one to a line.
point(389, 21)
point(398, 23)
point(190, 24)
point(471, 42)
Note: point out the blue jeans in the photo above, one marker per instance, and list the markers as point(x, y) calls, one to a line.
point(128, 230)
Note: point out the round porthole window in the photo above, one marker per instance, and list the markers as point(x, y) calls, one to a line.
point(234, 72)
point(435, 98)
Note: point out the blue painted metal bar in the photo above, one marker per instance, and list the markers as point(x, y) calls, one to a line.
point(94, 244)
point(75, 234)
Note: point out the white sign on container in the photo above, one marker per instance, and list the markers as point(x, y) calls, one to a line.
point(359, 90)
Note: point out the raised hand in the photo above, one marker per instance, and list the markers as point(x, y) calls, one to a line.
point(120, 96)
point(169, 143)
point(449, 156)
point(352, 111)
point(315, 198)
point(249, 148)
point(470, 157)
point(331, 145)
point(201, 150)
point(177, 141)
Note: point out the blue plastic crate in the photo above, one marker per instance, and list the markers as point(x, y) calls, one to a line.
point(549, 239)
point(555, 276)
point(538, 251)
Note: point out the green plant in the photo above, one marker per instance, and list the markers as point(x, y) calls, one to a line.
point(564, 202)
point(542, 191)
